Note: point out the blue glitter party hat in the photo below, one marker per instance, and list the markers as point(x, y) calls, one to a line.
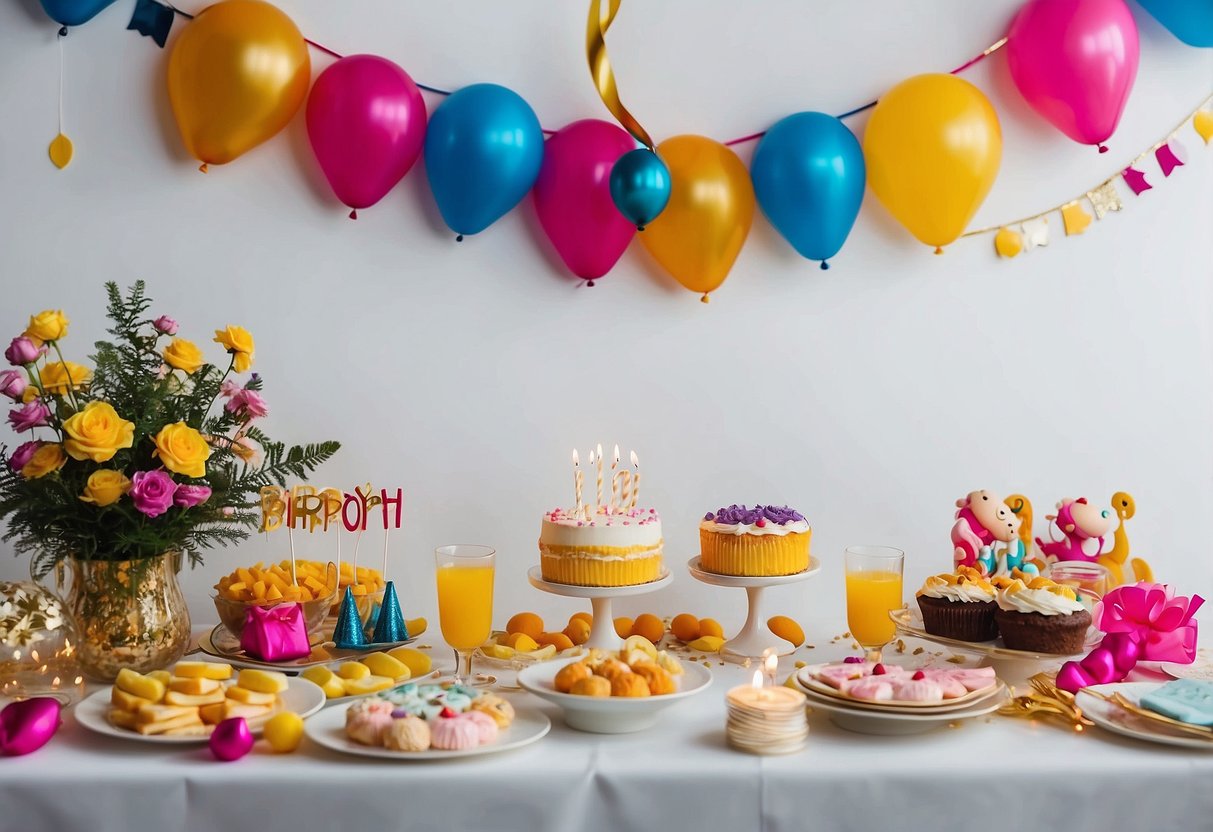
point(390, 626)
point(348, 632)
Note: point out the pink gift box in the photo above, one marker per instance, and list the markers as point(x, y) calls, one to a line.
point(275, 634)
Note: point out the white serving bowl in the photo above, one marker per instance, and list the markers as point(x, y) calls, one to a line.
point(614, 714)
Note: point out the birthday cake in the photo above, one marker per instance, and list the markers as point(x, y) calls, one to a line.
point(606, 547)
point(754, 542)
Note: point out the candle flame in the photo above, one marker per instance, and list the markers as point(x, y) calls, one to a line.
point(635, 460)
point(591, 456)
point(616, 462)
point(757, 682)
point(600, 452)
point(576, 459)
point(771, 663)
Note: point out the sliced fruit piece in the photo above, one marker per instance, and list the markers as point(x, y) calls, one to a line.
point(139, 685)
point(367, 684)
point(353, 670)
point(558, 640)
point(498, 651)
point(266, 681)
point(707, 644)
point(415, 626)
point(521, 642)
point(191, 699)
point(419, 663)
point(194, 686)
point(787, 629)
point(640, 643)
point(381, 664)
point(203, 670)
point(251, 697)
point(211, 714)
point(127, 701)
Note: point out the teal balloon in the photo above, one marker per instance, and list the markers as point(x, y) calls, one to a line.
point(1189, 20)
point(640, 186)
point(809, 175)
point(483, 151)
point(73, 12)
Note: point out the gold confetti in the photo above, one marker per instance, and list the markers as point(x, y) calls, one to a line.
point(799, 665)
point(811, 646)
point(901, 646)
point(854, 645)
point(956, 658)
point(918, 650)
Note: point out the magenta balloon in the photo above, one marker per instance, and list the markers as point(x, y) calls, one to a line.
point(573, 196)
point(1075, 62)
point(366, 121)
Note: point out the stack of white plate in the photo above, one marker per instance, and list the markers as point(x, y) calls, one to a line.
point(867, 717)
point(777, 727)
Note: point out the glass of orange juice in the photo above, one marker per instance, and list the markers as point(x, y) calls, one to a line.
point(465, 600)
point(873, 591)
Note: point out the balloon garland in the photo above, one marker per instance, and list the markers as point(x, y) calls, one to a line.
point(240, 71)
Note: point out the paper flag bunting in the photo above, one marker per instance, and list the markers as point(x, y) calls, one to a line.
point(152, 20)
point(1170, 156)
point(348, 633)
point(1075, 218)
point(60, 151)
point(1036, 233)
point(1203, 122)
point(1104, 199)
point(1136, 180)
point(390, 626)
point(1008, 242)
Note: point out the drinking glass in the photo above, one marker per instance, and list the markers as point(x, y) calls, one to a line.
point(465, 600)
point(1088, 579)
point(873, 591)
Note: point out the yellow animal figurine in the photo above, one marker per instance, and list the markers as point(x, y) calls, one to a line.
point(1114, 559)
point(1021, 507)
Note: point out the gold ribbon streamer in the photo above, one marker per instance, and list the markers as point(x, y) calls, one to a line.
point(600, 68)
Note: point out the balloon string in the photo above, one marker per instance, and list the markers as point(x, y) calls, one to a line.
point(976, 59)
point(60, 39)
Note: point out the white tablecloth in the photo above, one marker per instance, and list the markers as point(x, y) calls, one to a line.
point(989, 774)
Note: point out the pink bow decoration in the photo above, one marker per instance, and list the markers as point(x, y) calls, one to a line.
point(275, 634)
point(1143, 622)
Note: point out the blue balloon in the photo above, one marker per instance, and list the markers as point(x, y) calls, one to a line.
point(73, 12)
point(483, 150)
point(1189, 20)
point(640, 186)
point(809, 174)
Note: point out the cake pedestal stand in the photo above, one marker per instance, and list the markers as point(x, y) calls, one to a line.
point(754, 637)
point(602, 633)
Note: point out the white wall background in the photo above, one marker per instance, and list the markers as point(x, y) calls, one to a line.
point(870, 396)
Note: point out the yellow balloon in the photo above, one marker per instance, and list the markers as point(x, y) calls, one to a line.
point(236, 75)
point(704, 225)
point(932, 149)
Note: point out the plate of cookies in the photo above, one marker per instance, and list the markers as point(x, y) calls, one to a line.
point(184, 703)
point(616, 692)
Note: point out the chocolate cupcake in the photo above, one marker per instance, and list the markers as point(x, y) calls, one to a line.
point(959, 606)
point(1041, 617)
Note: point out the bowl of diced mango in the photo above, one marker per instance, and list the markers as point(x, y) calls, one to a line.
point(313, 585)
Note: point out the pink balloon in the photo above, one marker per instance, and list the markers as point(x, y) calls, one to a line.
point(28, 725)
point(366, 121)
point(1075, 62)
point(573, 196)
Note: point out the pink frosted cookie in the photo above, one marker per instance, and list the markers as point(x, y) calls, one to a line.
point(835, 675)
point(961, 679)
point(367, 720)
point(871, 688)
point(920, 690)
point(485, 724)
point(454, 733)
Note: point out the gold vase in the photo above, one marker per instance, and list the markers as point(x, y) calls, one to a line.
point(129, 613)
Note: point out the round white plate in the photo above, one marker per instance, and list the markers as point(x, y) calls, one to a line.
point(1201, 669)
point(300, 696)
point(699, 574)
point(893, 723)
point(327, 728)
point(221, 644)
point(804, 678)
point(909, 622)
point(610, 714)
point(1119, 721)
point(535, 576)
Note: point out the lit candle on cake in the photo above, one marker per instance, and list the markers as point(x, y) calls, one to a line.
point(578, 478)
point(766, 719)
point(598, 499)
point(635, 480)
point(616, 484)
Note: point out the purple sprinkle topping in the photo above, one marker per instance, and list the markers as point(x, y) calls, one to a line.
point(399, 713)
point(781, 515)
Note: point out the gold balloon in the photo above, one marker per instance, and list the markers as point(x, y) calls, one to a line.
point(236, 75)
point(703, 227)
point(932, 149)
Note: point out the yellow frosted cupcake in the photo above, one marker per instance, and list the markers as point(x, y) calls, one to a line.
point(754, 542)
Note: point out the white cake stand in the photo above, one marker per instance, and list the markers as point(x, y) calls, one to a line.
point(754, 637)
point(602, 633)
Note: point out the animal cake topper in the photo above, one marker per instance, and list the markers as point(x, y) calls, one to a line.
point(1083, 527)
point(982, 518)
point(1114, 559)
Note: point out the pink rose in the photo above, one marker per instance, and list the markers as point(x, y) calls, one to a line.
point(32, 415)
point(230, 387)
point(188, 496)
point(23, 351)
point(247, 404)
point(12, 384)
point(23, 454)
point(165, 325)
point(152, 492)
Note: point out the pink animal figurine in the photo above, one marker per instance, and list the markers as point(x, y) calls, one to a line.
point(981, 519)
point(1078, 521)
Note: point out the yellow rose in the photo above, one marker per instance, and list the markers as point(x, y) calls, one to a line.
point(97, 432)
point(31, 393)
point(237, 341)
point(47, 459)
point(58, 376)
point(182, 449)
point(47, 325)
point(105, 487)
point(183, 355)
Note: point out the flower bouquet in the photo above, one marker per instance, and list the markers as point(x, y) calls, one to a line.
point(151, 456)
